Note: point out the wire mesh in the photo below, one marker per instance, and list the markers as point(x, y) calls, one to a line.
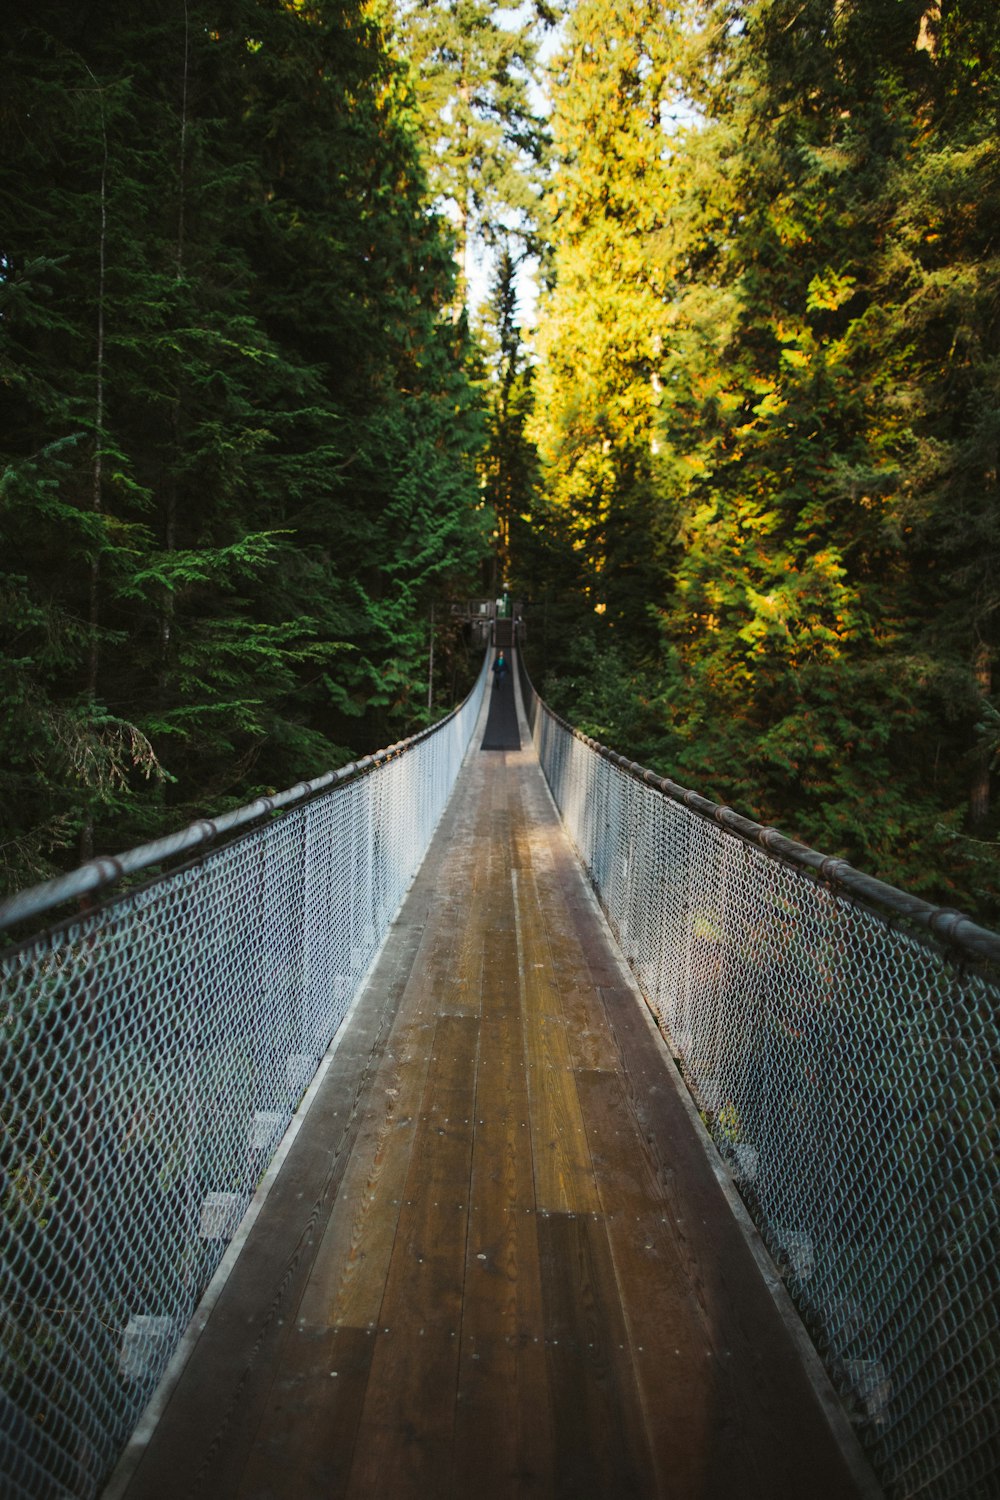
point(154, 1052)
point(846, 1070)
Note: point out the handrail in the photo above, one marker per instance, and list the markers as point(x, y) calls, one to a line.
point(945, 923)
point(840, 1042)
point(102, 872)
point(155, 1045)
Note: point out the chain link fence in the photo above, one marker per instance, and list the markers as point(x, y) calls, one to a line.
point(154, 1052)
point(841, 1042)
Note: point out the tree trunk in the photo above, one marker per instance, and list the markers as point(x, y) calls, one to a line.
point(170, 502)
point(183, 145)
point(86, 848)
point(979, 791)
point(97, 474)
point(927, 39)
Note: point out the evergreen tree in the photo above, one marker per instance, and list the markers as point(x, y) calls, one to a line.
point(821, 511)
point(509, 465)
point(224, 340)
point(71, 533)
point(485, 145)
point(808, 616)
point(602, 327)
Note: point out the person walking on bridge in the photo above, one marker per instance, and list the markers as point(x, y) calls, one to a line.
point(500, 670)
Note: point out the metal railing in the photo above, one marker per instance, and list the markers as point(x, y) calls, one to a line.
point(154, 1052)
point(840, 1039)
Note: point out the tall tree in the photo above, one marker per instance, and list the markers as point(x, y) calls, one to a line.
point(811, 606)
point(602, 327)
point(510, 464)
point(224, 330)
point(485, 144)
point(823, 512)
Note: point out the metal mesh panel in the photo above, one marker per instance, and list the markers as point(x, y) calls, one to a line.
point(847, 1072)
point(154, 1052)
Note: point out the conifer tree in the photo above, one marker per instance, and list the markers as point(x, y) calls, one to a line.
point(485, 144)
point(71, 537)
point(823, 516)
point(810, 614)
point(224, 339)
point(509, 460)
point(602, 326)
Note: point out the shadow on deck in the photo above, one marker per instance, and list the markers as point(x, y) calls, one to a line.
point(498, 1258)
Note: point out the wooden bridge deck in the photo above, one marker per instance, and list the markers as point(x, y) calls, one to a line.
point(496, 1260)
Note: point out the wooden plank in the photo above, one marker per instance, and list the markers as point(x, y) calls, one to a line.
point(426, 1271)
point(503, 1167)
point(626, 1167)
point(765, 1419)
point(455, 957)
point(550, 874)
point(504, 1443)
point(564, 1180)
point(589, 1035)
point(601, 1444)
point(502, 1295)
point(304, 1445)
point(502, 1292)
point(664, 1318)
point(404, 1443)
point(563, 1173)
point(500, 992)
point(502, 1079)
point(668, 1340)
point(347, 1281)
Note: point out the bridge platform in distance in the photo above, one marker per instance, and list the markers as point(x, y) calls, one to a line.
point(497, 1261)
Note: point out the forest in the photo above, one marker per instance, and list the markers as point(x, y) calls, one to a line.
point(259, 430)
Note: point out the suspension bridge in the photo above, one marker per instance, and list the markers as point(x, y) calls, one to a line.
point(493, 1116)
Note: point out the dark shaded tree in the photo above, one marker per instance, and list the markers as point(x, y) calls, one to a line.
point(239, 439)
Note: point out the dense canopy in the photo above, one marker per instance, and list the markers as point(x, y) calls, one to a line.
point(743, 473)
point(239, 429)
point(769, 411)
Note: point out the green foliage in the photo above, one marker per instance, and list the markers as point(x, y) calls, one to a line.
point(239, 437)
point(509, 463)
point(749, 483)
point(603, 324)
point(811, 498)
point(486, 145)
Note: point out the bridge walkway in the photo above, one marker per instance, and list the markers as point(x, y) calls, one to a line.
point(496, 1260)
